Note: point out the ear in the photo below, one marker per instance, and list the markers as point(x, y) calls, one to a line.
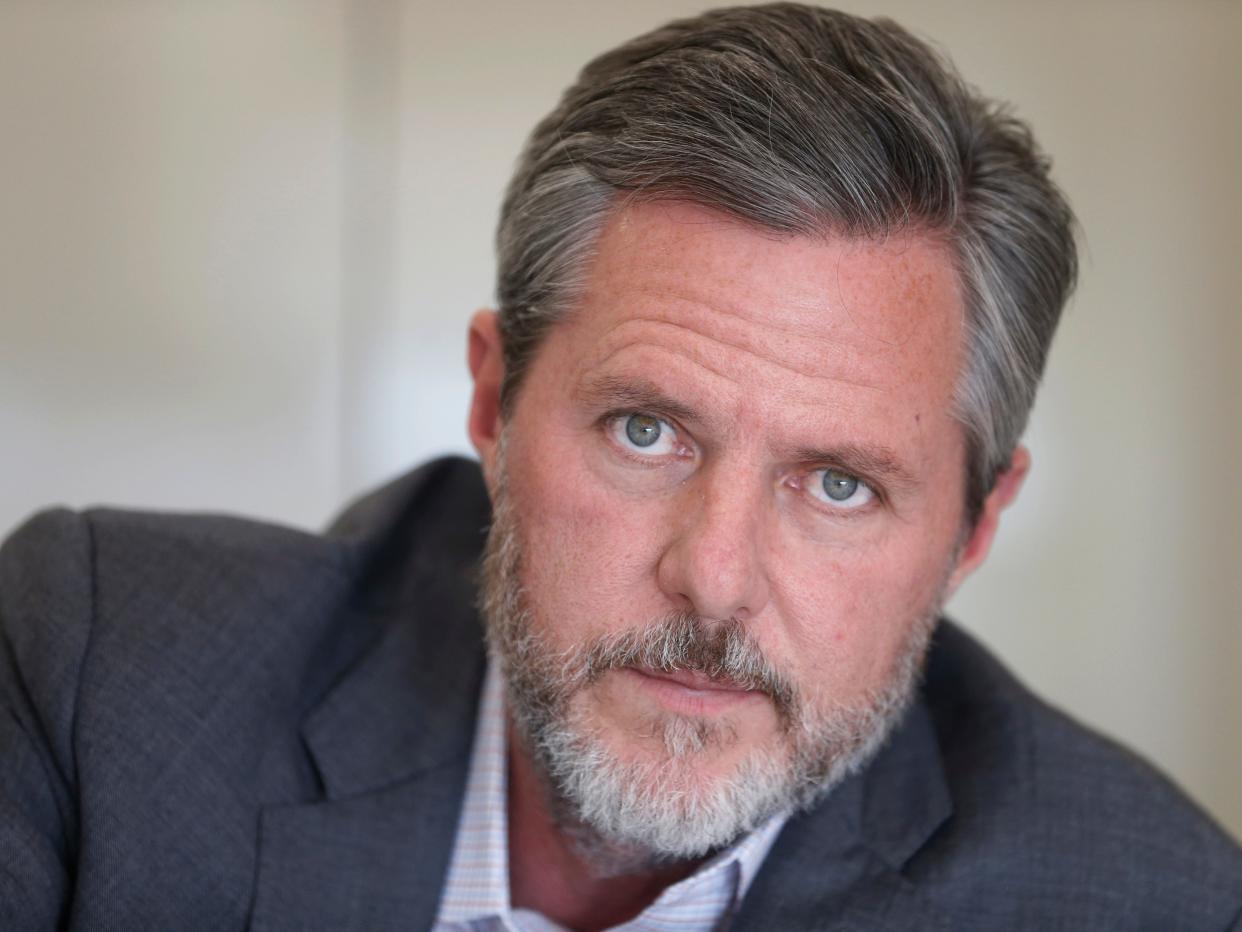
point(1004, 491)
point(487, 368)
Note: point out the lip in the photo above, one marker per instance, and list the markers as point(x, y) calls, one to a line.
point(691, 693)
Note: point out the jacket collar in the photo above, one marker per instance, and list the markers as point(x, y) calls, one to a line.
point(407, 706)
point(391, 741)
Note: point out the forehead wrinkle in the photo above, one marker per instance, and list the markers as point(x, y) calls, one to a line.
point(760, 334)
point(700, 354)
point(814, 331)
point(832, 302)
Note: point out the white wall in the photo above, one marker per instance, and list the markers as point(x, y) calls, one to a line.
point(240, 241)
point(170, 254)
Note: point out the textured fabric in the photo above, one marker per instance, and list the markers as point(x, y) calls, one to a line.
point(476, 892)
point(208, 723)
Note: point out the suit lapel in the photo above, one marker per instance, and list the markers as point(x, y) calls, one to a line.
point(391, 741)
point(376, 862)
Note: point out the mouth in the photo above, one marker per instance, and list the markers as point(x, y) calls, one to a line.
point(690, 693)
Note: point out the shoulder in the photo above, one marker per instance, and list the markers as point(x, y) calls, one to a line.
point(123, 626)
point(156, 593)
point(155, 672)
point(139, 603)
point(136, 644)
point(182, 592)
point(1055, 814)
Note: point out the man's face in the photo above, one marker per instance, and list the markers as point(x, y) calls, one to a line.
point(739, 443)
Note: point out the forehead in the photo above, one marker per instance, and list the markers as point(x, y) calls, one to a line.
point(776, 326)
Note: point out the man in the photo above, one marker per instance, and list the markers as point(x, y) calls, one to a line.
point(775, 293)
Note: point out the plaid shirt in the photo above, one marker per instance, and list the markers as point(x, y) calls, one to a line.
point(476, 892)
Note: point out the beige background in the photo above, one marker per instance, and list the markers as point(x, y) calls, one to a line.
point(239, 242)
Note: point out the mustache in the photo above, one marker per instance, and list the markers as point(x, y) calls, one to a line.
point(724, 651)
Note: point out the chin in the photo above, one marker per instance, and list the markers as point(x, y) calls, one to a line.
point(680, 789)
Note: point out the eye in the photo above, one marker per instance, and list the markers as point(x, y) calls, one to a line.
point(839, 489)
point(644, 435)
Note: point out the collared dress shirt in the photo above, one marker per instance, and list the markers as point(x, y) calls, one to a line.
point(476, 891)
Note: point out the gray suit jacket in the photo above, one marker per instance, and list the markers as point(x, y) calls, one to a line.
point(209, 723)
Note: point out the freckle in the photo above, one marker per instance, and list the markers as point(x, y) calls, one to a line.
point(917, 417)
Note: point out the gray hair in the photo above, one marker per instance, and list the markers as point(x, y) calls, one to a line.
point(813, 122)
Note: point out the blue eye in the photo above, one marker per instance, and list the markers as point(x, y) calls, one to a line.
point(840, 489)
point(643, 435)
point(642, 429)
point(839, 486)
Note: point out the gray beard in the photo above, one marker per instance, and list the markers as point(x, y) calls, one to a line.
point(625, 816)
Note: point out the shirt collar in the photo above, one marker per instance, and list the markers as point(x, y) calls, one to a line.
point(477, 884)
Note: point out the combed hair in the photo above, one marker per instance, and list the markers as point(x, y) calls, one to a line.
point(805, 121)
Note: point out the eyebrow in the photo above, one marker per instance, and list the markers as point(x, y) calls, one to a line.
point(866, 461)
point(639, 393)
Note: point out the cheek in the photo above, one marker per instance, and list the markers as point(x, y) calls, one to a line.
point(849, 614)
point(589, 554)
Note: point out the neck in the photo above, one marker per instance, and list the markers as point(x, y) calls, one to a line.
point(581, 887)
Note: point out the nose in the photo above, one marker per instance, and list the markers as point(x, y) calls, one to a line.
point(713, 564)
